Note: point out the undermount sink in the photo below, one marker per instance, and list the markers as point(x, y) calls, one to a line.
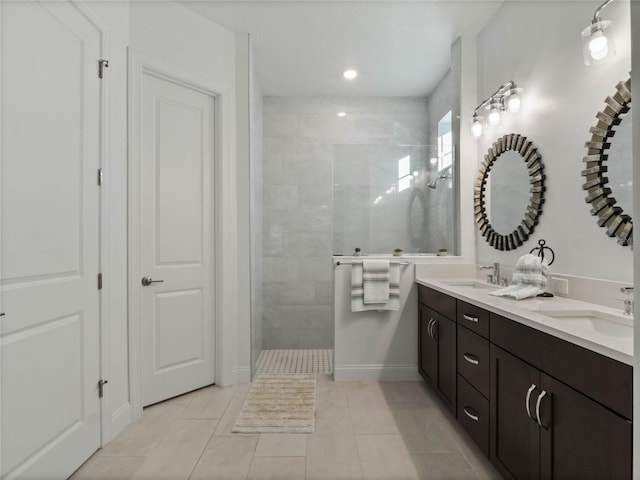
point(471, 284)
point(593, 321)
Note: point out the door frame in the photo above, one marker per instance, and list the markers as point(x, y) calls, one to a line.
point(138, 66)
point(105, 223)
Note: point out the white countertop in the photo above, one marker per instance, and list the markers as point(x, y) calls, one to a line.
point(616, 343)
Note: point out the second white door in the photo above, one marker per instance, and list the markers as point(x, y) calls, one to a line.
point(176, 237)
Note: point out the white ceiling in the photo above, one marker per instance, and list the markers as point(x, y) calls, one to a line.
point(400, 48)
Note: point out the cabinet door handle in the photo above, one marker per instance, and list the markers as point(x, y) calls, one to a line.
point(434, 332)
point(471, 359)
point(470, 318)
point(429, 328)
point(472, 416)
point(528, 399)
point(538, 402)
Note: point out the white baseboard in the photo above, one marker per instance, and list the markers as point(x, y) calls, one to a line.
point(242, 374)
point(381, 373)
point(120, 419)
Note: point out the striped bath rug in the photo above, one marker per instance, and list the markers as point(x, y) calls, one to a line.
point(279, 403)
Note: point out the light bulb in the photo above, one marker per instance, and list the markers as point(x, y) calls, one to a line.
point(434, 160)
point(598, 45)
point(350, 74)
point(476, 128)
point(342, 114)
point(494, 117)
point(513, 103)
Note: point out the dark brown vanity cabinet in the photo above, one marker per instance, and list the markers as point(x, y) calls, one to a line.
point(437, 344)
point(543, 428)
point(540, 407)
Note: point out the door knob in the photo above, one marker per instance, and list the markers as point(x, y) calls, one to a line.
point(146, 281)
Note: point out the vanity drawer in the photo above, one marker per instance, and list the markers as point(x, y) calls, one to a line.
point(474, 318)
point(473, 359)
point(473, 414)
point(437, 301)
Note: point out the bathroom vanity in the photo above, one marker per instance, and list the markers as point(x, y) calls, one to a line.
point(543, 386)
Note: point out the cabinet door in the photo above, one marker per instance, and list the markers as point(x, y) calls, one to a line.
point(581, 438)
point(444, 331)
point(427, 346)
point(514, 435)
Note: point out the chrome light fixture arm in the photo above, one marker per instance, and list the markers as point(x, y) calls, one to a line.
point(596, 15)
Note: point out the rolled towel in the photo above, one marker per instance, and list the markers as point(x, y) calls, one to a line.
point(529, 278)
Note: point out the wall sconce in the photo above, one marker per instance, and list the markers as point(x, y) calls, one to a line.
point(505, 99)
point(597, 40)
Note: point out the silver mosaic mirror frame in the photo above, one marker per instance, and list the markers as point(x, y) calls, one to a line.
point(533, 161)
point(603, 203)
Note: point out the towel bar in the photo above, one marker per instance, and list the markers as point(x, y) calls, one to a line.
point(351, 263)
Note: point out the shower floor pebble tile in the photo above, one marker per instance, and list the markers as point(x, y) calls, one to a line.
point(418, 439)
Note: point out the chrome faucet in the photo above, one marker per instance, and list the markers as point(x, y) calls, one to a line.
point(628, 302)
point(493, 277)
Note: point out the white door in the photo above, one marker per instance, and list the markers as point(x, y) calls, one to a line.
point(176, 237)
point(49, 337)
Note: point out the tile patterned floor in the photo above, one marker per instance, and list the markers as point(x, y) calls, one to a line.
point(364, 430)
point(295, 361)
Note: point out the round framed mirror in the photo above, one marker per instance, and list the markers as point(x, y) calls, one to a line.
point(509, 192)
point(613, 157)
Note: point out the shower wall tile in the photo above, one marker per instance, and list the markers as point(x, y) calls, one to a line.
point(402, 105)
point(298, 216)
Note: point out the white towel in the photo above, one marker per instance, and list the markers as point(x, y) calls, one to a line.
point(529, 278)
point(357, 290)
point(375, 281)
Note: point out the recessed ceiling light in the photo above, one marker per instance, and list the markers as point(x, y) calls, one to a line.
point(350, 74)
point(342, 114)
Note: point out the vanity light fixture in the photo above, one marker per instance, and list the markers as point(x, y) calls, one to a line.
point(597, 40)
point(505, 99)
point(350, 74)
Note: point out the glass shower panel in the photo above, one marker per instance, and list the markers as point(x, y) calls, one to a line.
point(388, 197)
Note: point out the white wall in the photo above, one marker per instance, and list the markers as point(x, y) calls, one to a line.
point(256, 162)
point(243, 186)
point(539, 47)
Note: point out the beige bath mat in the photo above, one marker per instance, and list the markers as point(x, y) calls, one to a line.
point(279, 403)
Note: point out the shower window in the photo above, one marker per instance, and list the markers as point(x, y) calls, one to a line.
point(445, 142)
point(388, 197)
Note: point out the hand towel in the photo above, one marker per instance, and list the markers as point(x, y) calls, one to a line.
point(357, 289)
point(375, 281)
point(529, 278)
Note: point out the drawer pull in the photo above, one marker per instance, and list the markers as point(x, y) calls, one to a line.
point(472, 416)
point(470, 318)
point(540, 397)
point(528, 399)
point(471, 359)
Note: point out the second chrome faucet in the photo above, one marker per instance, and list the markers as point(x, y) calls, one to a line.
point(494, 277)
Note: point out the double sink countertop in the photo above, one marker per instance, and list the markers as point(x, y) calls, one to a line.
point(598, 328)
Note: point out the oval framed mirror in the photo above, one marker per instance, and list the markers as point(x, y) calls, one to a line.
point(600, 159)
point(516, 149)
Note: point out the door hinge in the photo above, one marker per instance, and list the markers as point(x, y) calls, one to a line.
point(101, 384)
point(102, 64)
point(99, 281)
point(100, 176)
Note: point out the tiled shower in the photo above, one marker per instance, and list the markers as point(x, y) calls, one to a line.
point(304, 140)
